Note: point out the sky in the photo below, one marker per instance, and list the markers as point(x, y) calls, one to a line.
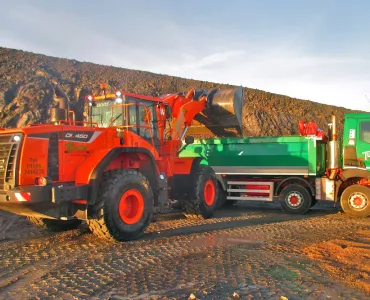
point(312, 50)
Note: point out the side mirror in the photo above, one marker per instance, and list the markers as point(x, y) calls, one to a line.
point(189, 140)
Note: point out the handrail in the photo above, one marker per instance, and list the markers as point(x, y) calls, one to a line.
point(73, 116)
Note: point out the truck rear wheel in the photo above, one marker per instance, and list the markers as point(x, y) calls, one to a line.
point(355, 201)
point(127, 203)
point(55, 225)
point(295, 199)
point(204, 195)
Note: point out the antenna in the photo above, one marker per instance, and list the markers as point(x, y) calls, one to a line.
point(367, 98)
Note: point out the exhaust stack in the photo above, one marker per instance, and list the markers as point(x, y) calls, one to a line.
point(60, 113)
point(333, 155)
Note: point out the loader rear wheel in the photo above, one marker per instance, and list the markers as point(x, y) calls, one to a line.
point(355, 201)
point(55, 225)
point(126, 201)
point(203, 199)
point(295, 199)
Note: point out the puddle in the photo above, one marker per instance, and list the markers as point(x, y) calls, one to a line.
point(216, 240)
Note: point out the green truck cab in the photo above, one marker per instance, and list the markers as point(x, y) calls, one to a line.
point(299, 170)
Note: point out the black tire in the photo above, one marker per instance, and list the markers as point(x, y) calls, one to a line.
point(113, 224)
point(55, 225)
point(230, 203)
point(222, 194)
point(302, 196)
point(195, 206)
point(348, 198)
point(222, 200)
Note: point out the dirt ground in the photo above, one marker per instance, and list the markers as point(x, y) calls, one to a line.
point(244, 252)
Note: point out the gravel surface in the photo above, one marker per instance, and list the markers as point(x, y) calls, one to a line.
point(245, 252)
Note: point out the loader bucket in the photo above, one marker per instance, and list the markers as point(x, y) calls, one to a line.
point(222, 117)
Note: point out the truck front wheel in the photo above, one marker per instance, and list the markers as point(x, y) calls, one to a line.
point(126, 200)
point(203, 199)
point(355, 201)
point(55, 225)
point(295, 199)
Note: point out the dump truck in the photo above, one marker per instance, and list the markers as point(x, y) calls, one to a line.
point(298, 170)
point(115, 169)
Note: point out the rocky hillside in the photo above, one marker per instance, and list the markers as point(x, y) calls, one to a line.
point(31, 83)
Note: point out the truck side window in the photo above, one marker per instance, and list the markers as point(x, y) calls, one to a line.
point(365, 132)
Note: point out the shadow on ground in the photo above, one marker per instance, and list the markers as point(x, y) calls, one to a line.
point(238, 215)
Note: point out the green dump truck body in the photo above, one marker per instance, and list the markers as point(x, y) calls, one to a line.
point(288, 155)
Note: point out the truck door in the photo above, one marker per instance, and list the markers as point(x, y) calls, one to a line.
point(363, 141)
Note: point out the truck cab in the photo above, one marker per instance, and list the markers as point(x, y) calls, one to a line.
point(356, 142)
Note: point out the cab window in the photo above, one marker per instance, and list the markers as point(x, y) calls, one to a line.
point(365, 132)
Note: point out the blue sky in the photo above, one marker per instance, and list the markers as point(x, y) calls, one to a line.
point(314, 50)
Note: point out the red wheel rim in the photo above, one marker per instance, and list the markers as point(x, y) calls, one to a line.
point(357, 201)
point(209, 192)
point(294, 200)
point(131, 206)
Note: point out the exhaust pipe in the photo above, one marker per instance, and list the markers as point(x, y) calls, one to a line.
point(60, 113)
point(333, 159)
point(334, 129)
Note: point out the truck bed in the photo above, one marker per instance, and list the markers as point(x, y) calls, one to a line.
point(288, 155)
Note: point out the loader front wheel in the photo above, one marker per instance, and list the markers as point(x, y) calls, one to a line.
point(55, 225)
point(126, 205)
point(203, 199)
point(295, 199)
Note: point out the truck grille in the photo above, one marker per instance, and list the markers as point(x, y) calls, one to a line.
point(8, 161)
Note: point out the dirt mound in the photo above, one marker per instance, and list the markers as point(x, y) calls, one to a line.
point(30, 84)
point(345, 260)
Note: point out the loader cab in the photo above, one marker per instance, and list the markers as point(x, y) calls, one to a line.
point(138, 115)
point(356, 141)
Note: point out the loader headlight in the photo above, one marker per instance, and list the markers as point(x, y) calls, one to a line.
point(119, 100)
point(16, 138)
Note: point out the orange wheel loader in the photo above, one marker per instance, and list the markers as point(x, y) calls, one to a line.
point(117, 168)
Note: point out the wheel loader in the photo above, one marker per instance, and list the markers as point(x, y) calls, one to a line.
point(118, 167)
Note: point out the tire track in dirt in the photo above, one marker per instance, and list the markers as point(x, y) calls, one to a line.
point(253, 258)
point(48, 256)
